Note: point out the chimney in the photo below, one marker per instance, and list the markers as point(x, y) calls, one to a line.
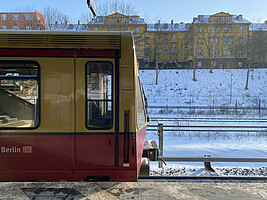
point(66, 22)
point(159, 22)
point(56, 22)
point(172, 21)
point(181, 22)
point(79, 22)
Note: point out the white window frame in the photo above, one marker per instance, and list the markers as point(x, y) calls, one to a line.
point(3, 16)
point(28, 27)
point(15, 17)
point(28, 17)
point(15, 27)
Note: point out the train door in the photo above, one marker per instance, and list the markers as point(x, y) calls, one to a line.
point(96, 131)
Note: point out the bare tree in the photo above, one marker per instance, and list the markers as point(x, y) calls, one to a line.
point(52, 15)
point(113, 6)
point(257, 48)
point(86, 17)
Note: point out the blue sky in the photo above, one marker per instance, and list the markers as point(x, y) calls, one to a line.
point(151, 10)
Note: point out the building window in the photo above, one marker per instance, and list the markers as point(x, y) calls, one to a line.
point(240, 64)
point(229, 53)
point(199, 40)
point(211, 40)
point(19, 94)
point(216, 29)
point(185, 46)
point(95, 29)
point(15, 28)
point(113, 19)
point(137, 30)
point(241, 40)
point(165, 52)
point(218, 18)
point(99, 93)
point(223, 18)
point(173, 36)
point(4, 27)
point(241, 29)
point(199, 63)
point(15, 17)
point(108, 19)
point(28, 27)
point(3, 17)
point(185, 56)
point(225, 29)
point(125, 20)
point(28, 17)
point(212, 29)
point(165, 41)
point(182, 35)
point(227, 40)
point(228, 18)
point(229, 29)
point(137, 53)
point(119, 20)
point(137, 41)
point(240, 53)
point(213, 18)
point(174, 46)
point(200, 30)
point(199, 52)
point(215, 40)
point(224, 52)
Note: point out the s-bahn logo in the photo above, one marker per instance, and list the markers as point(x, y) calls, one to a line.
point(14, 149)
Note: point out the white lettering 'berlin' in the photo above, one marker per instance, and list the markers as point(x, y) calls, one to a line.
point(10, 149)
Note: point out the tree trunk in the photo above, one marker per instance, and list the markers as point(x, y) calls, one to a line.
point(194, 71)
point(247, 78)
point(157, 68)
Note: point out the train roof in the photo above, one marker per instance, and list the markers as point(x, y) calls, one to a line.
point(62, 39)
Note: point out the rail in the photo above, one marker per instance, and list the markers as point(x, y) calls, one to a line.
point(207, 159)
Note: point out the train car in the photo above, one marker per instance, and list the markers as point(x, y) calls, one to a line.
point(71, 106)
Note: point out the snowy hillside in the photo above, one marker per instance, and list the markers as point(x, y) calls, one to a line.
point(176, 87)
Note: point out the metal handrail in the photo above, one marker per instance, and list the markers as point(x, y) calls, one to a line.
point(213, 159)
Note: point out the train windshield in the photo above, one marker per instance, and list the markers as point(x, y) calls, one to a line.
point(99, 95)
point(141, 115)
point(19, 107)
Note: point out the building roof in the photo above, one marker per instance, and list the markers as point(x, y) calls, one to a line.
point(205, 19)
point(168, 27)
point(258, 27)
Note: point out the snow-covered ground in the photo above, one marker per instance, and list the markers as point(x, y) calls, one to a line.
point(176, 87)
point(225, 88)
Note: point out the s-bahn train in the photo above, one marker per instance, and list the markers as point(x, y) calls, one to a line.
point(71, 106)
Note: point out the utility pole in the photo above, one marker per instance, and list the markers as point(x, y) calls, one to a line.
point(157, 65)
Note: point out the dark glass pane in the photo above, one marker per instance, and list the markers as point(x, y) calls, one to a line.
point(99, 95)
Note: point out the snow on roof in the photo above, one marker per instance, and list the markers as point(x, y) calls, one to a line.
point(132, 20)
point(205, 19)
point(258, 27)
point(168, 27)
point(67, 27)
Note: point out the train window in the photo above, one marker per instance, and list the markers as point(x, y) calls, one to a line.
point(99, 95)
point(19, 86)
point(141, 116)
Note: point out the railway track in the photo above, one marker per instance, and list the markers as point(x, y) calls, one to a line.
point(201, 178)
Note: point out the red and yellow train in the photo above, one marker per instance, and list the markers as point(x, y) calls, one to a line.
point(71, 106)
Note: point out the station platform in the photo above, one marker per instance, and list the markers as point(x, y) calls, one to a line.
point(133, 190)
